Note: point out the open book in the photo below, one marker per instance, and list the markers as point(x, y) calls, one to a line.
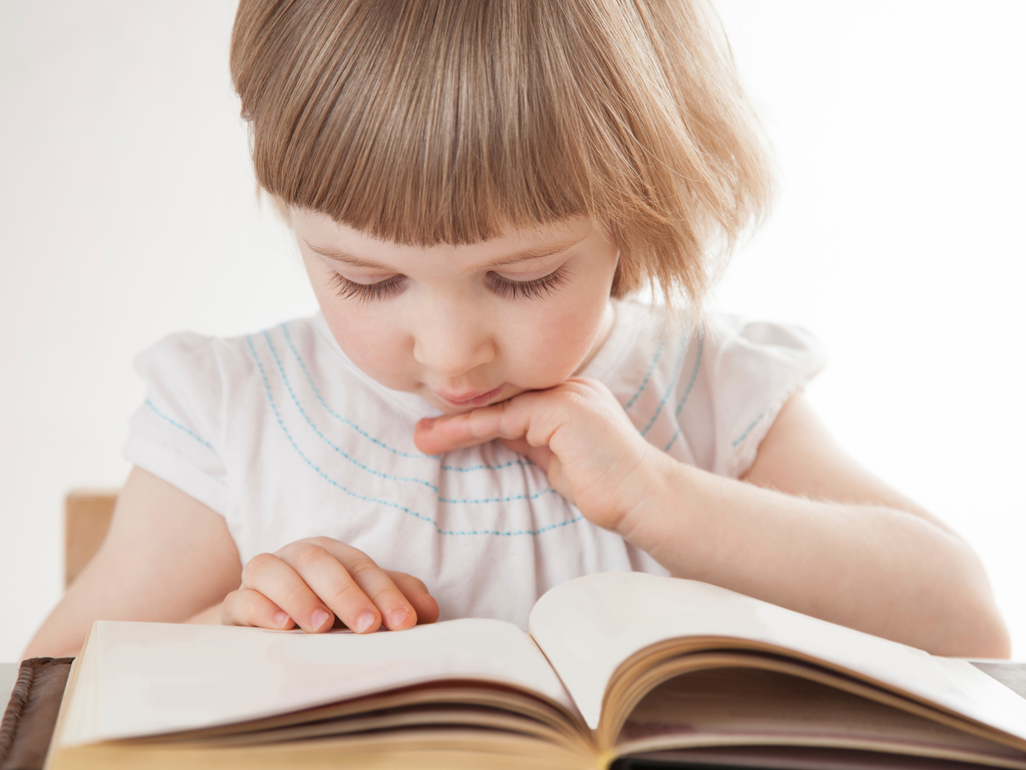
point(615, 665)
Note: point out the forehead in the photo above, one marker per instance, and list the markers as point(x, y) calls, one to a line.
point(323, 235)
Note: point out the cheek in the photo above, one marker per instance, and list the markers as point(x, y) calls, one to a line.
point(373, 341)
point(375, 344)
point(556, 339)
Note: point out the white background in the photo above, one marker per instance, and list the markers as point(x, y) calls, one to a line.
point(127, 210)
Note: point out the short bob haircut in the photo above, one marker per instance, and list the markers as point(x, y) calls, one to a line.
point(451, 121)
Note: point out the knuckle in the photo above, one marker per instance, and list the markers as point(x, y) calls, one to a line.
point(589, 384)
point(257, 567)
point(361, 565)
point(297, 594)
point(228, 608)
point(323, 542)
point(354, 552)
point(509, 424)
point(345, 593)
point(418, 584)
point(306, 554)
point(235, 609)
point(576, 394)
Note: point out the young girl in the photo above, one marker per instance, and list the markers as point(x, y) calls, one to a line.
point(481, 411)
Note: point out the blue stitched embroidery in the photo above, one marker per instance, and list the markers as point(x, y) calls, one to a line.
point(181, 427)
point(694, 376)
point(325, 439)
point(687, 391)
point(415, 514)
point(366, 435)
point(648, 374)
point(749, 428)
point(358, 464)
point(340, 418)
point(673, 381)
point(510, 499)
point(522, 463)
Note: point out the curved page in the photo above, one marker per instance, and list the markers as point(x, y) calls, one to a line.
point(154, 678)
point(588, 626)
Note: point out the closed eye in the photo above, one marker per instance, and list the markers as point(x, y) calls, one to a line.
point(539, 287)
point(365, 292)
point(504, 287)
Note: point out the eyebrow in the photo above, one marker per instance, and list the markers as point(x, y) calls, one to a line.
point(520, 256)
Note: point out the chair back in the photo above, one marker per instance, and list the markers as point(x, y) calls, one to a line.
point(87, 514)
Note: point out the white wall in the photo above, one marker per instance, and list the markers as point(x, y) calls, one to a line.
point(899, 129)
point(127, 210)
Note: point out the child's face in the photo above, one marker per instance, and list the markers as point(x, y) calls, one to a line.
point(463, 326)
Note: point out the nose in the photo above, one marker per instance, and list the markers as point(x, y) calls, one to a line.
point(452, 341)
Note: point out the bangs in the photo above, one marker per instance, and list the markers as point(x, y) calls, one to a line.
point(453, 121)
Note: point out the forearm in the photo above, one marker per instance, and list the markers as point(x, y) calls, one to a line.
point(880, 570)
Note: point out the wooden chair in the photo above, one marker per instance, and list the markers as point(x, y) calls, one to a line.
point(87, 514)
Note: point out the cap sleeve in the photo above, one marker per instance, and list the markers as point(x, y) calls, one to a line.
point(176, 433)
point(748, 372)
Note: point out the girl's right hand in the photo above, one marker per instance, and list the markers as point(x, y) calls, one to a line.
point(311, 582)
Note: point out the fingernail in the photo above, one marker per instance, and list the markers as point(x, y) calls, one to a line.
point(365, 621)
point(317, 618)
point(398, 618)
point(427, 422)
point(281, 618)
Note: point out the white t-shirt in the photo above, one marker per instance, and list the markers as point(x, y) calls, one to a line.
point(286, 438)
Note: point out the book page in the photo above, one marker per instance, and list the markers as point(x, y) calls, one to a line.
point(732, 706)
point(152, 678)
point(588, 626)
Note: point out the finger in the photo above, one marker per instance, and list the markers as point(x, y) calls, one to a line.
point(417, 594)
point(396, 611)
point(333, 584)
point(247, 607)
point(539, 455)
point(279, 581)
point(445, 434)
point(507, 420)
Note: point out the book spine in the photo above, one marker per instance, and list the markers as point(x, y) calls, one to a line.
point(27, 722)
point(15, 706)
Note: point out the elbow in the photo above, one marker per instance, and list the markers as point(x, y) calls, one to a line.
point(978, 631)
point(991, 638)
point(974, 626)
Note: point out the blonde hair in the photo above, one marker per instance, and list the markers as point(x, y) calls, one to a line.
point(451, 121)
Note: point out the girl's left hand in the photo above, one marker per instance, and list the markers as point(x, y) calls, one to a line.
point(577, 432)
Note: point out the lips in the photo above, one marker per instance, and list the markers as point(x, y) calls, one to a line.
point(468, 397)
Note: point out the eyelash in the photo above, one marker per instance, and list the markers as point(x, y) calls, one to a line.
point(535, 289)
point(365, 292)
point(504, 287)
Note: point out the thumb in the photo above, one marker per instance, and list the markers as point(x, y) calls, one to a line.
point(539, 455)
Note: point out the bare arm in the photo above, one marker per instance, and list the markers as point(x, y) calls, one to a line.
point(166, 558)
point(813, 531)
